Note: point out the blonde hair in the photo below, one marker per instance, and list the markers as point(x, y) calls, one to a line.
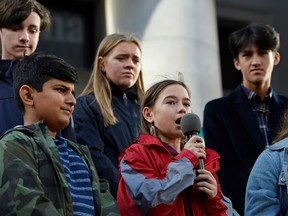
point(98, 82)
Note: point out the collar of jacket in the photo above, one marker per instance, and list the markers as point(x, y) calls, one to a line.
point(211, 161)
point(131, 93)
point(279, 145)
point(5, 68)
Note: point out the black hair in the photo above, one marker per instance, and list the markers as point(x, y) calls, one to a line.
point(263, 36)
point(38, 68)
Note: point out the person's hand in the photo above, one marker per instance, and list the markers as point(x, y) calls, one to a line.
point(206, 183)
point(196, 145)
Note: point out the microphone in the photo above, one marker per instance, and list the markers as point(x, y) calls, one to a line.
point(191, 125)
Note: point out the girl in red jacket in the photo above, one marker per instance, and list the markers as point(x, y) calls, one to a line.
point(158, 176)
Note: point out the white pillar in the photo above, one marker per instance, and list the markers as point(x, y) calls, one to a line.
point(177, 36)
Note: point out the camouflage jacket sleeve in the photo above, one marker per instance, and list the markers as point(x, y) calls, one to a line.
point(21, 191)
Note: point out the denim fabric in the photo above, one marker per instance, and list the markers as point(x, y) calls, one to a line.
point(266, 192)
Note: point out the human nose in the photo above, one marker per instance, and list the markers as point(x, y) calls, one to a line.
point(182, 109)
point(256, 60)
point(24, 36)
point(71, 99)
point(129, 63)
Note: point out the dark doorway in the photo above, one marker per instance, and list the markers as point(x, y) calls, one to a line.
point(230, 76)
point(77, 27)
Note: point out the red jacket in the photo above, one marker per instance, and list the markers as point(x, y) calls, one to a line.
point(152, 181)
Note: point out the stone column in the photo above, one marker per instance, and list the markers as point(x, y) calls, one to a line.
point(177, 36)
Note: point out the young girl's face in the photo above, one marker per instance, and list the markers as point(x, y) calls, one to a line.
point(172, 103)
point(122, 65)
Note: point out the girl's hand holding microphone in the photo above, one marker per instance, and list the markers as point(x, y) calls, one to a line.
point(196, 145)
point(205, 180)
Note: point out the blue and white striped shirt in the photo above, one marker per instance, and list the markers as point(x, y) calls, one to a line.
point(78, 178)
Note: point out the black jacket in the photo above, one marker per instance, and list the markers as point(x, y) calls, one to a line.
point(230, 127)
point(106, 143)
point(10, 116)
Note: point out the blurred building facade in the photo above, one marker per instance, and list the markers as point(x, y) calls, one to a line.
point(187, 36)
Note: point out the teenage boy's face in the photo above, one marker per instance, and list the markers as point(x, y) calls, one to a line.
point(20, 40)
point(256, 66)
point(54, 104)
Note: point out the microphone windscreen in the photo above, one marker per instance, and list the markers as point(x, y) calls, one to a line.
point(190, 122)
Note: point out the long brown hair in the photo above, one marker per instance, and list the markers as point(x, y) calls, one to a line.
point(98, 82)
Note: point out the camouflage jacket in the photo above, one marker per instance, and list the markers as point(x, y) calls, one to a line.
point(32, 179)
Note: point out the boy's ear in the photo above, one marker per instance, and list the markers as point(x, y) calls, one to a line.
point(27, 95)
point(276, 58)
point(236, 64)
point(147, 114)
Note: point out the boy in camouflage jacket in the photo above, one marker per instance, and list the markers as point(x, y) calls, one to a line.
point(37, 168)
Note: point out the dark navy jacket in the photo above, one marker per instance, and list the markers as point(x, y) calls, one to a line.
point(10, 116)
point(106, 143)
point(230, 127)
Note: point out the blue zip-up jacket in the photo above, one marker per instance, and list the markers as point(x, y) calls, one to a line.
point(10, 116)
point(267, 187)
point(106, 143)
